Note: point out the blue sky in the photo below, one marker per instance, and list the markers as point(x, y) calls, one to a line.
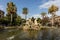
point(35, 7)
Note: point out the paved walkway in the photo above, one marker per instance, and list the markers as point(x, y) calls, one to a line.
point(48, 27)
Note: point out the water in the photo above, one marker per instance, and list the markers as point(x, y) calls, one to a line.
point(43, 34)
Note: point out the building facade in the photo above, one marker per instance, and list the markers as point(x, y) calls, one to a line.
point(56, 20)
point(1, 14)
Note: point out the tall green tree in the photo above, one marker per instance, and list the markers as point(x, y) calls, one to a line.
point(52, 11)
point(11, 11)
point(25, 12)
point(43, 14)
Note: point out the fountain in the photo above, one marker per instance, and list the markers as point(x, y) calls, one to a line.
point(30, 25)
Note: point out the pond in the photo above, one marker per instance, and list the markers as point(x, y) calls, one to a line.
point(43, 34)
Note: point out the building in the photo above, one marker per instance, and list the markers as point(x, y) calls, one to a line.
point(1, 14)
point(56, 20)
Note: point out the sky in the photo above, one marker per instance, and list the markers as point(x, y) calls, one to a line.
point(35, 7)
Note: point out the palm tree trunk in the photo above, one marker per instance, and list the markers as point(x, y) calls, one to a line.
point(52, 22)
point(11, 18)
point(52, 19)
point(25, 17)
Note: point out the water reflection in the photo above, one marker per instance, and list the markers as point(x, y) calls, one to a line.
point(27, 35)
point(43, 34)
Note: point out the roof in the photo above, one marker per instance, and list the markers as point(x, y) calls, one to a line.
point(2, 11)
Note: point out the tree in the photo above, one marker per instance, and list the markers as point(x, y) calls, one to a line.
point(6, 21)
point(11, 10)
point(43, 14)
point(18, 20)
point(25, 12)
point(33, 19)
point(52, 11)
point(38, 20)
point(45, 21)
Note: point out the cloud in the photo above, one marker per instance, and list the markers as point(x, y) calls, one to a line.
point(1, 7)
point(49, 3)
point(36, 16)
point(22, 15)
point(58, 12)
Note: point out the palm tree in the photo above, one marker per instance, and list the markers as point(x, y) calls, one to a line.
point(11, 10)
point(25, 12)
point(52, 11)
point(43, 14)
